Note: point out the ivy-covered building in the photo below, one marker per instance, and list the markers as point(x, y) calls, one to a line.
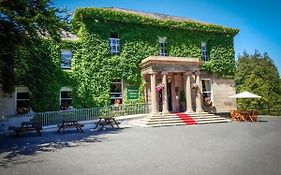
point(174, 64)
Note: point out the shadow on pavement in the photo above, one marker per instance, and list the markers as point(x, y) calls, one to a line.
point(11, 147)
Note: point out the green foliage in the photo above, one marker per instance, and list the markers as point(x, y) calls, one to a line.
point(113, 15)
point(39, 69)
point(93, 67)
point(221, 61)
point(257, 73)
point(22, 24)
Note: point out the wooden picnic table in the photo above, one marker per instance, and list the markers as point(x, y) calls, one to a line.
point(244, 115)
point(27, 127)
point(70, 124)
point(103, 121)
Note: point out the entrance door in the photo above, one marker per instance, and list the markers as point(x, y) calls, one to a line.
point(169, 95)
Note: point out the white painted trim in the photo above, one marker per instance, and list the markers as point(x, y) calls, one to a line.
point(70, 53)
point(115, 44)
point(122, 90)
point(65, 89)
point(19, 89)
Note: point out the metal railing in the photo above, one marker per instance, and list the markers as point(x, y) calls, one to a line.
point(56, 117)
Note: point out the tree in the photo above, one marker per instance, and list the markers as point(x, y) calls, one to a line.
point(258, 74)
point(23, 24)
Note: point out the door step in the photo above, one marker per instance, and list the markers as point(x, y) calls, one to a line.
point(177, 119)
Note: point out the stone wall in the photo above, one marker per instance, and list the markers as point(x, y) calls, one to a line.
point(7, 104)
point(222, 89)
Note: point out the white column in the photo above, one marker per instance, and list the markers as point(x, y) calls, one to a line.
point(188, 96)
point(145, 88)
point(199, 93)
point(164, 94)
point(154, 106)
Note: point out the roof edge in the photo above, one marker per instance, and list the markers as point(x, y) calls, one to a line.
point(131, 16)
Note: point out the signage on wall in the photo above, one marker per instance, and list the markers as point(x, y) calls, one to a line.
point(132, 92)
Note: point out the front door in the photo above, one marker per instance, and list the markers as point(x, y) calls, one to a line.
point(169, 95)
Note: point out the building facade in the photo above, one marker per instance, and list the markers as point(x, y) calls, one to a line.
point(175, 64)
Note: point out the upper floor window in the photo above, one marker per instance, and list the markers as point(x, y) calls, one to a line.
point(204, 52)
point(66, 56)
point(114, 44)
point(163, 46)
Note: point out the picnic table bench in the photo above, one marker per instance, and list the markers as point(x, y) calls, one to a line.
point(27, 127)
point(103, 121)
point(70, 124)
point(241, 115)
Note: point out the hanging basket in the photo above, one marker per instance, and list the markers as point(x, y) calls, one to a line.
point(208, 102)
point(159, 87)
point(194, 86)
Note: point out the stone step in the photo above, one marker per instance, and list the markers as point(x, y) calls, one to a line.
point(174, 120)
point(214, 121)
point(167, 124)
point(212, 117)
point(202, 115)
point(164, 122)
point(164, 119)
point(205, 119)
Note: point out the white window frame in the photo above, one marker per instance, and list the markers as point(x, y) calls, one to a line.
point(211, 89)
point(114, 45)
point(162, 48)
point(117, 93)
point(67, 53)
point(204, 51)
point(21, 89)
point(65, 89)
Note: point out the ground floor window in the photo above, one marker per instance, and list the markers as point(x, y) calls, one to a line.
point(22, 100)
point(116, 91)
point(207, 91)
point(65, 98)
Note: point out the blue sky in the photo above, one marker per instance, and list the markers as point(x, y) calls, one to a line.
point(259, 21)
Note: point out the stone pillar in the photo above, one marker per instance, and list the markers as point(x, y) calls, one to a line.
point(145, 88)
point(154, 108)
point(188, 95)
point(164, 93)
point(199, 93)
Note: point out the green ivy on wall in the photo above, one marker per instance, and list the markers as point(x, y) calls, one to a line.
point(113, 15)
point(42, 73)
point(93, 67)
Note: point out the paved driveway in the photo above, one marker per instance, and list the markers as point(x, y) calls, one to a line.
point(219, 149)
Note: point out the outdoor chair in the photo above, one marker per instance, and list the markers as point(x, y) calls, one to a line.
point(236, 116)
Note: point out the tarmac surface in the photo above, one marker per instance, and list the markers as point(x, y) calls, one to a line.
point(220, 149)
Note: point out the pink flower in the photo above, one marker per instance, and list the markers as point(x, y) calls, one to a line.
point(159, 87)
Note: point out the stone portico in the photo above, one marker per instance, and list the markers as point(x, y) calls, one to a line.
point(175, 75)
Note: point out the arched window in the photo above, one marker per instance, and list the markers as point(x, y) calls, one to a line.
point(114, 44)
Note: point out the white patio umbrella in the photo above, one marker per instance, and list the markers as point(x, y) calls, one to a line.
point(245, 94)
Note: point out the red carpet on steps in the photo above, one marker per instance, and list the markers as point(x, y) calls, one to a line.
point(186, 118)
